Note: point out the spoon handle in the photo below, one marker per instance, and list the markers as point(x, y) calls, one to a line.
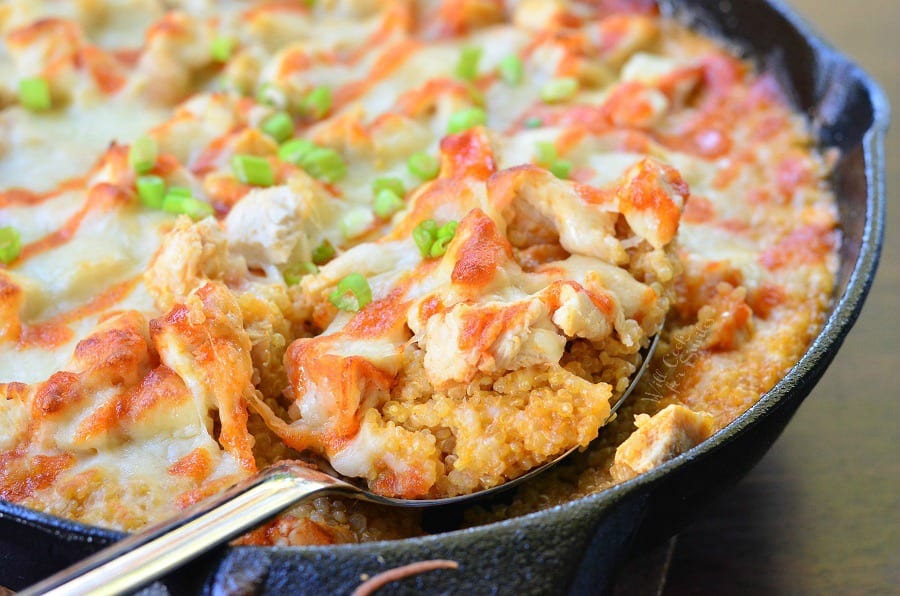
point(143, 557)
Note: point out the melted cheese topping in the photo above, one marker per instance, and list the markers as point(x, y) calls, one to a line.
point(147, 361)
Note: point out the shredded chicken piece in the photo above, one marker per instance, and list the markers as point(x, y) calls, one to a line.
point(271, 226)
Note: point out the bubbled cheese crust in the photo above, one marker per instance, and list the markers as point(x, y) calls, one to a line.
point(148, 360)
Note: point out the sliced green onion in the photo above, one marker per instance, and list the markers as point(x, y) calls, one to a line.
point(10, 244)
point(142, 154)
point(252, 169)
point(534, 122)
point(279, 126)
point(448, 230)
point(317, 102)
point(295, 151)
point(392, 184)
point(356, 222)
point(34, 94)
point(221, 48)
point(561, 168)
point(432, 240)
point(466, 119)
point(151, 191)
point(387, 203)
point(352, 293)
point(424, 235)
point(271, 94)
point(559, 90)
point(546, 153)
point(467, 66)
point(511, 70)
point(439, 247)
point(177, 201)
point(325, 164)
point(547, 157)
point(180, 191)
point(320, 162)
point(323, 253)
point(294, 271)
point(423, 166)
point(444, 235)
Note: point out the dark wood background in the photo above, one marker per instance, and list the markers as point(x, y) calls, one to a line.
point(820, 514)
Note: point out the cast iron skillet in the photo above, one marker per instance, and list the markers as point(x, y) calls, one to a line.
point(577, 547)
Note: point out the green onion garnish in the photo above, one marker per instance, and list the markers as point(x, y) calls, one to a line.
point(325, 164)
point(387, 203)
point(511, 70)
point(34, 94)
point(294, 271)
point(179, 200)
point(279, 126)
point(271, 95)
point(221, 48)
point(546, 153)
point(547, 157)
point(295, 151)
point(466, 119)
point(319, 162)
point(317, 102)
point(444, 235)
point(395, 185)
point(424, 235)
point(323, 253)
point(439, 247)
point(151, 191)
point(352, 293)
point(467, 66)
point(423, 166)
point(448, 230)
point(561, 168)
point(179, 191)
point(534, 122)
point(559, 90)
point(10, 244)
point(356, 222)
point(252, 169)
point(142, 154)
point(433, 240)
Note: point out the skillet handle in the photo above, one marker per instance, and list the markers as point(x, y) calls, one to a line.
point(140, 558)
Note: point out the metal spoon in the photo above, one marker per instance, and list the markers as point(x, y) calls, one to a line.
point(140, 558)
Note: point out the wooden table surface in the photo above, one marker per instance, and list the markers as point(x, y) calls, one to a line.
point(820, 514)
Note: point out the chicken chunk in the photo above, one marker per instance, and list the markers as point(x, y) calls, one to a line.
point(488, 339)
point(669, 433)
point(191, 254)
point(270, 225)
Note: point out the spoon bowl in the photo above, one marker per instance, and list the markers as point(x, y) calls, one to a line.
point(142, 557)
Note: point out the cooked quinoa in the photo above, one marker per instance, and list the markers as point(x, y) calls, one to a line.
point(425, 241)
